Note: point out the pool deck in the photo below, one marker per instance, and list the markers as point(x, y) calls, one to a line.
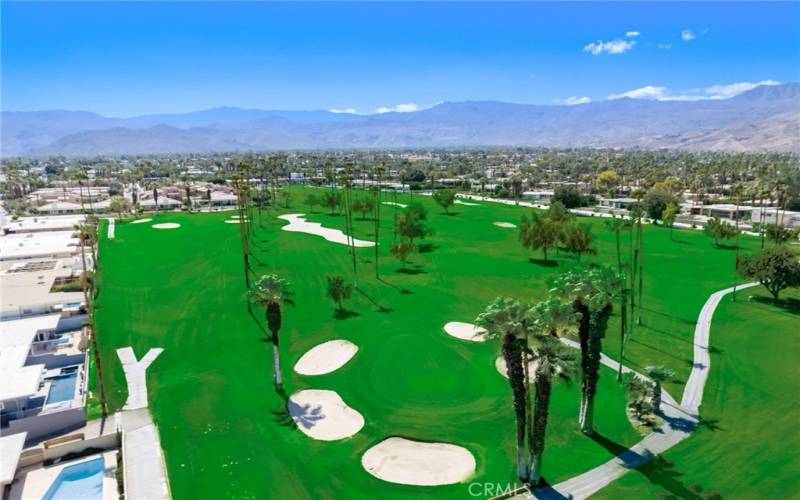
point(33, 482)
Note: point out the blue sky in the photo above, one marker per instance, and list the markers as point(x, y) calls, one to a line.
point(125, 59)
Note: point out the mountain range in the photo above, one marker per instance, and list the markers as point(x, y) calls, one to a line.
point(766, 118)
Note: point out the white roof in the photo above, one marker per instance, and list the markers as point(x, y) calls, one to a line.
point(57, 206)
point(13, 358)
point(44, 223)
point(20, 383)
point(10, 450)
point(727, 207)
point(162, 200)
point(32, 245)
point(222, 196)
point(18, 331)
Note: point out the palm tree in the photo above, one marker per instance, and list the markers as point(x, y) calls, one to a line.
point(272, 291)
point(83, 235)
point(554, 362)
point(659, 375)
point(592, 292)
point(339, 291)
point(511, 321)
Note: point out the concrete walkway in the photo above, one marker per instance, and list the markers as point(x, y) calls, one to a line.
point(111, 228)
point(143, 459)
point(135, 375)
point(679, 420)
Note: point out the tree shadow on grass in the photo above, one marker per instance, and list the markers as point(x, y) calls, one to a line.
point(543, 263)
point(410, 270)
point(427, 247)
point(712, 424)
point(790, 305)
point(342, 314)
point(381, 309)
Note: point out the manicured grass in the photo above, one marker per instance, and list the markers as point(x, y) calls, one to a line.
point(222, 424)
point(748, 445)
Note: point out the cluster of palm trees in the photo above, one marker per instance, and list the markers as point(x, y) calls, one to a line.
point(553, 228)
point(579, 305)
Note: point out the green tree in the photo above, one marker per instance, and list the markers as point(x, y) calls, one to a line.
point(537, 232)
point(312, 200)
point(656, 201)
point(445, 198)
point(272, 291)
point(669, 215)
point(286, 196)
point(569, 196)
point(659, 375)
point(776, 268)
point(402, 250)
point(120, 205)
point(339, 291)
point(364, 205)
point(719, 230)
point(411, 223)
point(331, 200)
point(578, 239)
point(779, 235)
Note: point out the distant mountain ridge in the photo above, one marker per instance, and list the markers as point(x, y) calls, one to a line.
point(762, 119)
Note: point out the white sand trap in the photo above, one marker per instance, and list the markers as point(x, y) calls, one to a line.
point(467, 203)
point(500, 364)
point(401, 205)
point(465, 331)
point(140, 221)
point(323, 415)
point(233, 222)
point(166, 225)
point(505, 224)
point(403, 461)
point(326, 357)
point(298, 224)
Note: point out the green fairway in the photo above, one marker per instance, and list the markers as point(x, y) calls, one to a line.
point(748, 446)
point(222, 424)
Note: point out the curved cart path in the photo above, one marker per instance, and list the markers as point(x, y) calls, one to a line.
point(680, 420)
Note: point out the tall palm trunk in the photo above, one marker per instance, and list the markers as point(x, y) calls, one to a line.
point(513, 358)
point(377, 224)
point(92, 332)
point(274, 324)
point(657, 396)
point(539, 425)
point(623, 319)
point(641, 274)
point(591, 365)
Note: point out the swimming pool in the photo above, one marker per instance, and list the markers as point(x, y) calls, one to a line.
point(62, 388)
point(83, 481)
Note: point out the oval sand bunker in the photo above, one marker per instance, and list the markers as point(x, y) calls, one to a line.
point(140, 221)
point(402, 461)
point(166, 225)
point(323, 415)
point(500, 365)
point(505, 224)
point(326, 357)
point(465, 331)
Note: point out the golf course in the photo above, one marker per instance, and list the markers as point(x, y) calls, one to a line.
point(227, 433)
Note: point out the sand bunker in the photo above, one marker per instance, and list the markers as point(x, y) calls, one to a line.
point(467, 203)
point(233, 221)
point(326, 357)
point(166, 225)
point(500, 364)
point(403, 461)
point(140, 221)
point(298, 224)
point(401, 205)
point(465, 331)
point(323, 415)
point(505, 224)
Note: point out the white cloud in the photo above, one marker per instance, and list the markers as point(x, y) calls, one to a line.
point(713, 92)
point(732, 89)
point(632, 34)
point(665, 46)
point(400, 108)
point(612, 47)
point(687, 35)
point(350, 111)
point(571, 101)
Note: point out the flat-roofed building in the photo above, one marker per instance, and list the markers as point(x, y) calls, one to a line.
point(618, 203)
point(60, 207)
point(773, 215)
point(51, 244)
point(727, 211)
point(43, 223)
point(41, 287)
